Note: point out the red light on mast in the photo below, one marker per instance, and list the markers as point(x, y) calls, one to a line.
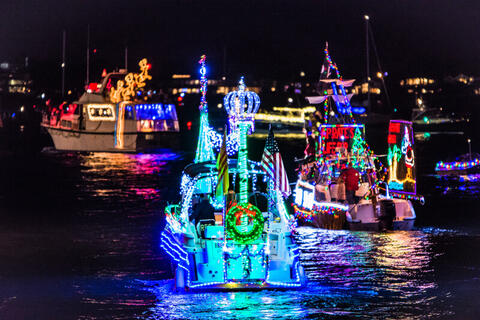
point(189, 125)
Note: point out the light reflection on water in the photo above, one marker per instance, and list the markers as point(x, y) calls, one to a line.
point(110, 255)
point(462, 186)
point(354, 274)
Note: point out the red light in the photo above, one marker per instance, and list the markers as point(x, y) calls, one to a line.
point(394, 127)
point(179, 99)
point(93, 86)
point(189, 125)
point(149, 66)
point(392, 139)
point(94, 50)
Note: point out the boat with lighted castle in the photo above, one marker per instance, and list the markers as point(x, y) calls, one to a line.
point(249, 244)
point(114, 116)
point(383, 198)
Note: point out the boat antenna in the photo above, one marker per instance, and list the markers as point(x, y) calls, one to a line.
point(367, 48)
point(64, 38)
point(382, 78)
point(126, 58)
point(88, 55)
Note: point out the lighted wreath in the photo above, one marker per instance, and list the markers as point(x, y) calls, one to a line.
point(234, 222)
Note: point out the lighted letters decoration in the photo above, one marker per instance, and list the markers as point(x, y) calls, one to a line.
point(336, 136)
point(401, 158)
point(126, 88)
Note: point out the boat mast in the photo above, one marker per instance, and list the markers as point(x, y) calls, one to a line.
point(88, 56)
point(126, 58)
point(367, 18)
point(63, 62)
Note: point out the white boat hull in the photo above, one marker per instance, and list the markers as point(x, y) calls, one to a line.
point(71, 140)
point(363, 217)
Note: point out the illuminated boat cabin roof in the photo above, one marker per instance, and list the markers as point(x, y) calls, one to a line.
point(209, 167)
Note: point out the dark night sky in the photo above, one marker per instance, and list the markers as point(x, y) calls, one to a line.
point(264, 39)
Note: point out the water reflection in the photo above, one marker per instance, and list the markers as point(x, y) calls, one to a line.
point(353, 274)
point(463, 186)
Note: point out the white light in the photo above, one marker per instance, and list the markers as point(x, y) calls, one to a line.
point(302, 74)
point(219, 105)
point(290, 100)
point(23, 108)
point(63, 64)
point(42, 95)
point(367, 17)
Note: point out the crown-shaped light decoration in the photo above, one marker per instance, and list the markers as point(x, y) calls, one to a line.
point(241, 105)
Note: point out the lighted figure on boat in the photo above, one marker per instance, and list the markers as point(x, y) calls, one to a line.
point(241, 233)
point(114, 116)
point(342, 183)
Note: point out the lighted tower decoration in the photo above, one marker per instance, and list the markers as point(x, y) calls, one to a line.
point(204, 144)
point(241, 107)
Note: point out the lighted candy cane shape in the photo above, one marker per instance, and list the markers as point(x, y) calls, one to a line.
point(241, 107)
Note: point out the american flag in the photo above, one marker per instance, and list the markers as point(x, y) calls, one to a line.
point(272, 164)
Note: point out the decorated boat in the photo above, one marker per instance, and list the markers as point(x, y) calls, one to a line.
point(463, 165)
point(247, 243)
point(114, 116)
point(382, 199)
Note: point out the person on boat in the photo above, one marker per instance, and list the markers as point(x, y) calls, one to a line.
point(311, 148)
point(203, 210)
point(350, 176)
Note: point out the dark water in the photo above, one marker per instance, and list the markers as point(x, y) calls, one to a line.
point(79, 240)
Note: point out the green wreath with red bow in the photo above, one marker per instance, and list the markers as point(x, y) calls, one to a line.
point(234, 218)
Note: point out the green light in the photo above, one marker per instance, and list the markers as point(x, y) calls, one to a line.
point(425, 119)
point(237, 223)
point(242, 162)
point(426, 135)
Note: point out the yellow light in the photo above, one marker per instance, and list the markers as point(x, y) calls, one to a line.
point(120, 126)
point(126, 88)
point(103, 108)
point(181, 76)
point(279, 135)
point(379, 75)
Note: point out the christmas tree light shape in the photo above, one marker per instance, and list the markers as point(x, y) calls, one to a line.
point(358, 149)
